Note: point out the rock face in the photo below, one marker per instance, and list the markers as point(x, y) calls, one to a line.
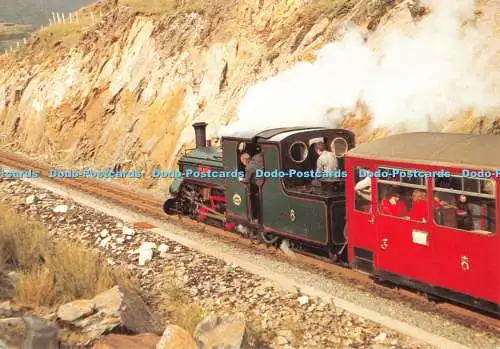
point(220, 332)
point(116, 308)
point(129, 90)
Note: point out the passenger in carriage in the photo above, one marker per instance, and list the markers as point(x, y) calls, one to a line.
point(443, 199)
point(479, 214)
point(363, 194)
point(364, 188)
point(464, 215)
point(418, 210)
point(393, 206)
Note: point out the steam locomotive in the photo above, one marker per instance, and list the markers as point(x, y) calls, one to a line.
point(434, 252)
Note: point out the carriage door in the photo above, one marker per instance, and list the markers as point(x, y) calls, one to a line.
point(405, 245)
point(236, 191)
point(362, 237)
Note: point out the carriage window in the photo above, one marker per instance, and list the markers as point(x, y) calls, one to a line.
point(467, 204)
point(362, 189)
point(298, 151)
point(402, 193)
point(339, 147)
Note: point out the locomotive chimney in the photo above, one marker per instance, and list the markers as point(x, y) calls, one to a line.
point(200, 134)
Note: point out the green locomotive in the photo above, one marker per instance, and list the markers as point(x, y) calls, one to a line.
point(286, 205)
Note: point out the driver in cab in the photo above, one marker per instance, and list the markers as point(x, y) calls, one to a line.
point(326, 163)
point(252, 164)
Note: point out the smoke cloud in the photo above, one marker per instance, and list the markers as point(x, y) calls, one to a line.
point(408, 83)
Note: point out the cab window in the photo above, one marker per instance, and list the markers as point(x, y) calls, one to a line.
point(402, 193)
point(465, 203)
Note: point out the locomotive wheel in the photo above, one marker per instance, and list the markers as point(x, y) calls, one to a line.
point(170, 206)
point(268, 238)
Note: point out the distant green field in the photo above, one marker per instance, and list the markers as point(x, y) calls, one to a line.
point(34, 13)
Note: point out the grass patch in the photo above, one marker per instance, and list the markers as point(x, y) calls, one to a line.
point(180, 308)
point(51, 272)
point(168, 7)
point(23, 244)
point(6, 288)
point(255, 334)
point(296, 329)
point(326, 6)
point(64, 35)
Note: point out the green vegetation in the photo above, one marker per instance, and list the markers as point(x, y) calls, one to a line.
point(50, 272)
point(170, 7)
point(176, 7)
point(65, 35)
point(180, 308)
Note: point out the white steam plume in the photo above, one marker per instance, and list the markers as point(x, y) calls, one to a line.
point(434, 74)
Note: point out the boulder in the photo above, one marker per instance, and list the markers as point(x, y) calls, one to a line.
point(6, 309)
point(75, 310)
point(60, 209)
point(175, 337)
point(303, 300)
point(31, 199)
point(220, 332)
point(12, 331)
point(118, 341)
point(117, 308)
point(40, 334)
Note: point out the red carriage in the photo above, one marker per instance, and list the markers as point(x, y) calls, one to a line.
point(426, 217)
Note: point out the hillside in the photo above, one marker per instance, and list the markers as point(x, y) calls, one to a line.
point(123, 89)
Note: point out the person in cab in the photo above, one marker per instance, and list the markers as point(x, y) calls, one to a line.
point(252, 164)
point(393, 206)
point(327, 162)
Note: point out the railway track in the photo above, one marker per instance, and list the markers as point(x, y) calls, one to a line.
point(154, 207)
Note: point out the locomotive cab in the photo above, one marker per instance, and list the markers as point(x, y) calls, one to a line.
point(288, 204)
